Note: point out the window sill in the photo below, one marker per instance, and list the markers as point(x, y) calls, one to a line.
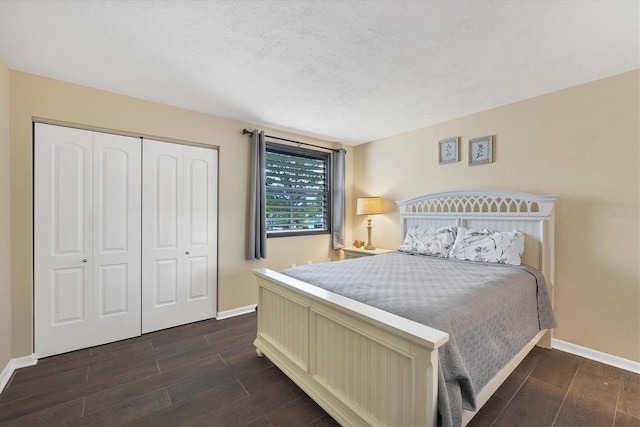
point(296, 233)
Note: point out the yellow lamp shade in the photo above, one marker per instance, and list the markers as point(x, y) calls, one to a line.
point(369, 206)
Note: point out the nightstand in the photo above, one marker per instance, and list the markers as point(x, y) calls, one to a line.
point(351, 253)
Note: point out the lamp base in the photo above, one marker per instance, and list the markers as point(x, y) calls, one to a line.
point(369, 246)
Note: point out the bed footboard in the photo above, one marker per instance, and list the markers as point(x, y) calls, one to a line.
point(364, 366)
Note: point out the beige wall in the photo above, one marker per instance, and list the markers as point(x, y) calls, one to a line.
point(38, 97)
point(5, 267)
point(581, 144)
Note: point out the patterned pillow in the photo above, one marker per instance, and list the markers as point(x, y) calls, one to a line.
point(433, 241)
point(488, 246)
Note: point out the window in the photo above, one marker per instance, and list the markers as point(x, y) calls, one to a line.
point(297, 191)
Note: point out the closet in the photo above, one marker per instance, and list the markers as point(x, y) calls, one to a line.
point(87, 238)
point(179, 234)
point(124, 237)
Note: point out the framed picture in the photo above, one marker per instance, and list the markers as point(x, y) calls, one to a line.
point(448, 150)
point(481, 150)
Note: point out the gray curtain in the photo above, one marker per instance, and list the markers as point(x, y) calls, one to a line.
point(256, 230)
point(337, 201)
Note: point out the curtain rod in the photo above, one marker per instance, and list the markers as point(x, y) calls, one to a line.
point(245, 131)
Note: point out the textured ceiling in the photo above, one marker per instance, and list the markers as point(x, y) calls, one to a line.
point(348, 71)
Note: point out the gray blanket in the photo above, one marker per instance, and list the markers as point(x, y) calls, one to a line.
point(490, 311)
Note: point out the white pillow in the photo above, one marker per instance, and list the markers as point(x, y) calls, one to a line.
point(432, 241)
point(488, 246)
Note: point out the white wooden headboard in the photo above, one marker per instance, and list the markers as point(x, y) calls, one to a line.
point(532, 214)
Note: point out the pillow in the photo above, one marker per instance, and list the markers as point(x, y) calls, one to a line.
point(488, 246)
point(432, 241)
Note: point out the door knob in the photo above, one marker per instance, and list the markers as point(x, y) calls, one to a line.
point(84, 260)
point(187, 253)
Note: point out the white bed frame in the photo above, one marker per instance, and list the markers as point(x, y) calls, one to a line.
point(365, 366)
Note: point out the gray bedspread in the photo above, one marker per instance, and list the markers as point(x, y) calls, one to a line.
point(490, 311)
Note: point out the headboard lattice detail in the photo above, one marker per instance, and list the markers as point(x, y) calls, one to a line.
point(474, 204)
point(492, 203)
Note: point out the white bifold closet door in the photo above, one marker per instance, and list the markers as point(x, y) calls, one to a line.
point(87, 238)
point(179, 239)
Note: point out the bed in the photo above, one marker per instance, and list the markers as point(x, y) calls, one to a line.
point(368, 366)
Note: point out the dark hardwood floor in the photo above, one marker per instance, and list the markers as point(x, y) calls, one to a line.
point(208, 374)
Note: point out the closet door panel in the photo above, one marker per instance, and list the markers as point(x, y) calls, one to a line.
point(200, 232)
point(162, 288)
point(113, 291)
point(196, 206)
point(167, 211)
point(166, 282)
point(117, 237)
point(197, 276)
point(68, 167)
point(68, 290)
point(63, 213)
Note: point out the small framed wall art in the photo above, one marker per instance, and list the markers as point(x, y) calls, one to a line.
point(481, 150)
point(448, 150)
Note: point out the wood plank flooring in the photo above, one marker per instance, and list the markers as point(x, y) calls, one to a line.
point(208, 374)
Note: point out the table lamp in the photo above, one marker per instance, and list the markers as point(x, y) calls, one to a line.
point(369, 206)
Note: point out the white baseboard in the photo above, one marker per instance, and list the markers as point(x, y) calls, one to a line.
point(12, 365)
point(598, 356)
point(236, 311)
